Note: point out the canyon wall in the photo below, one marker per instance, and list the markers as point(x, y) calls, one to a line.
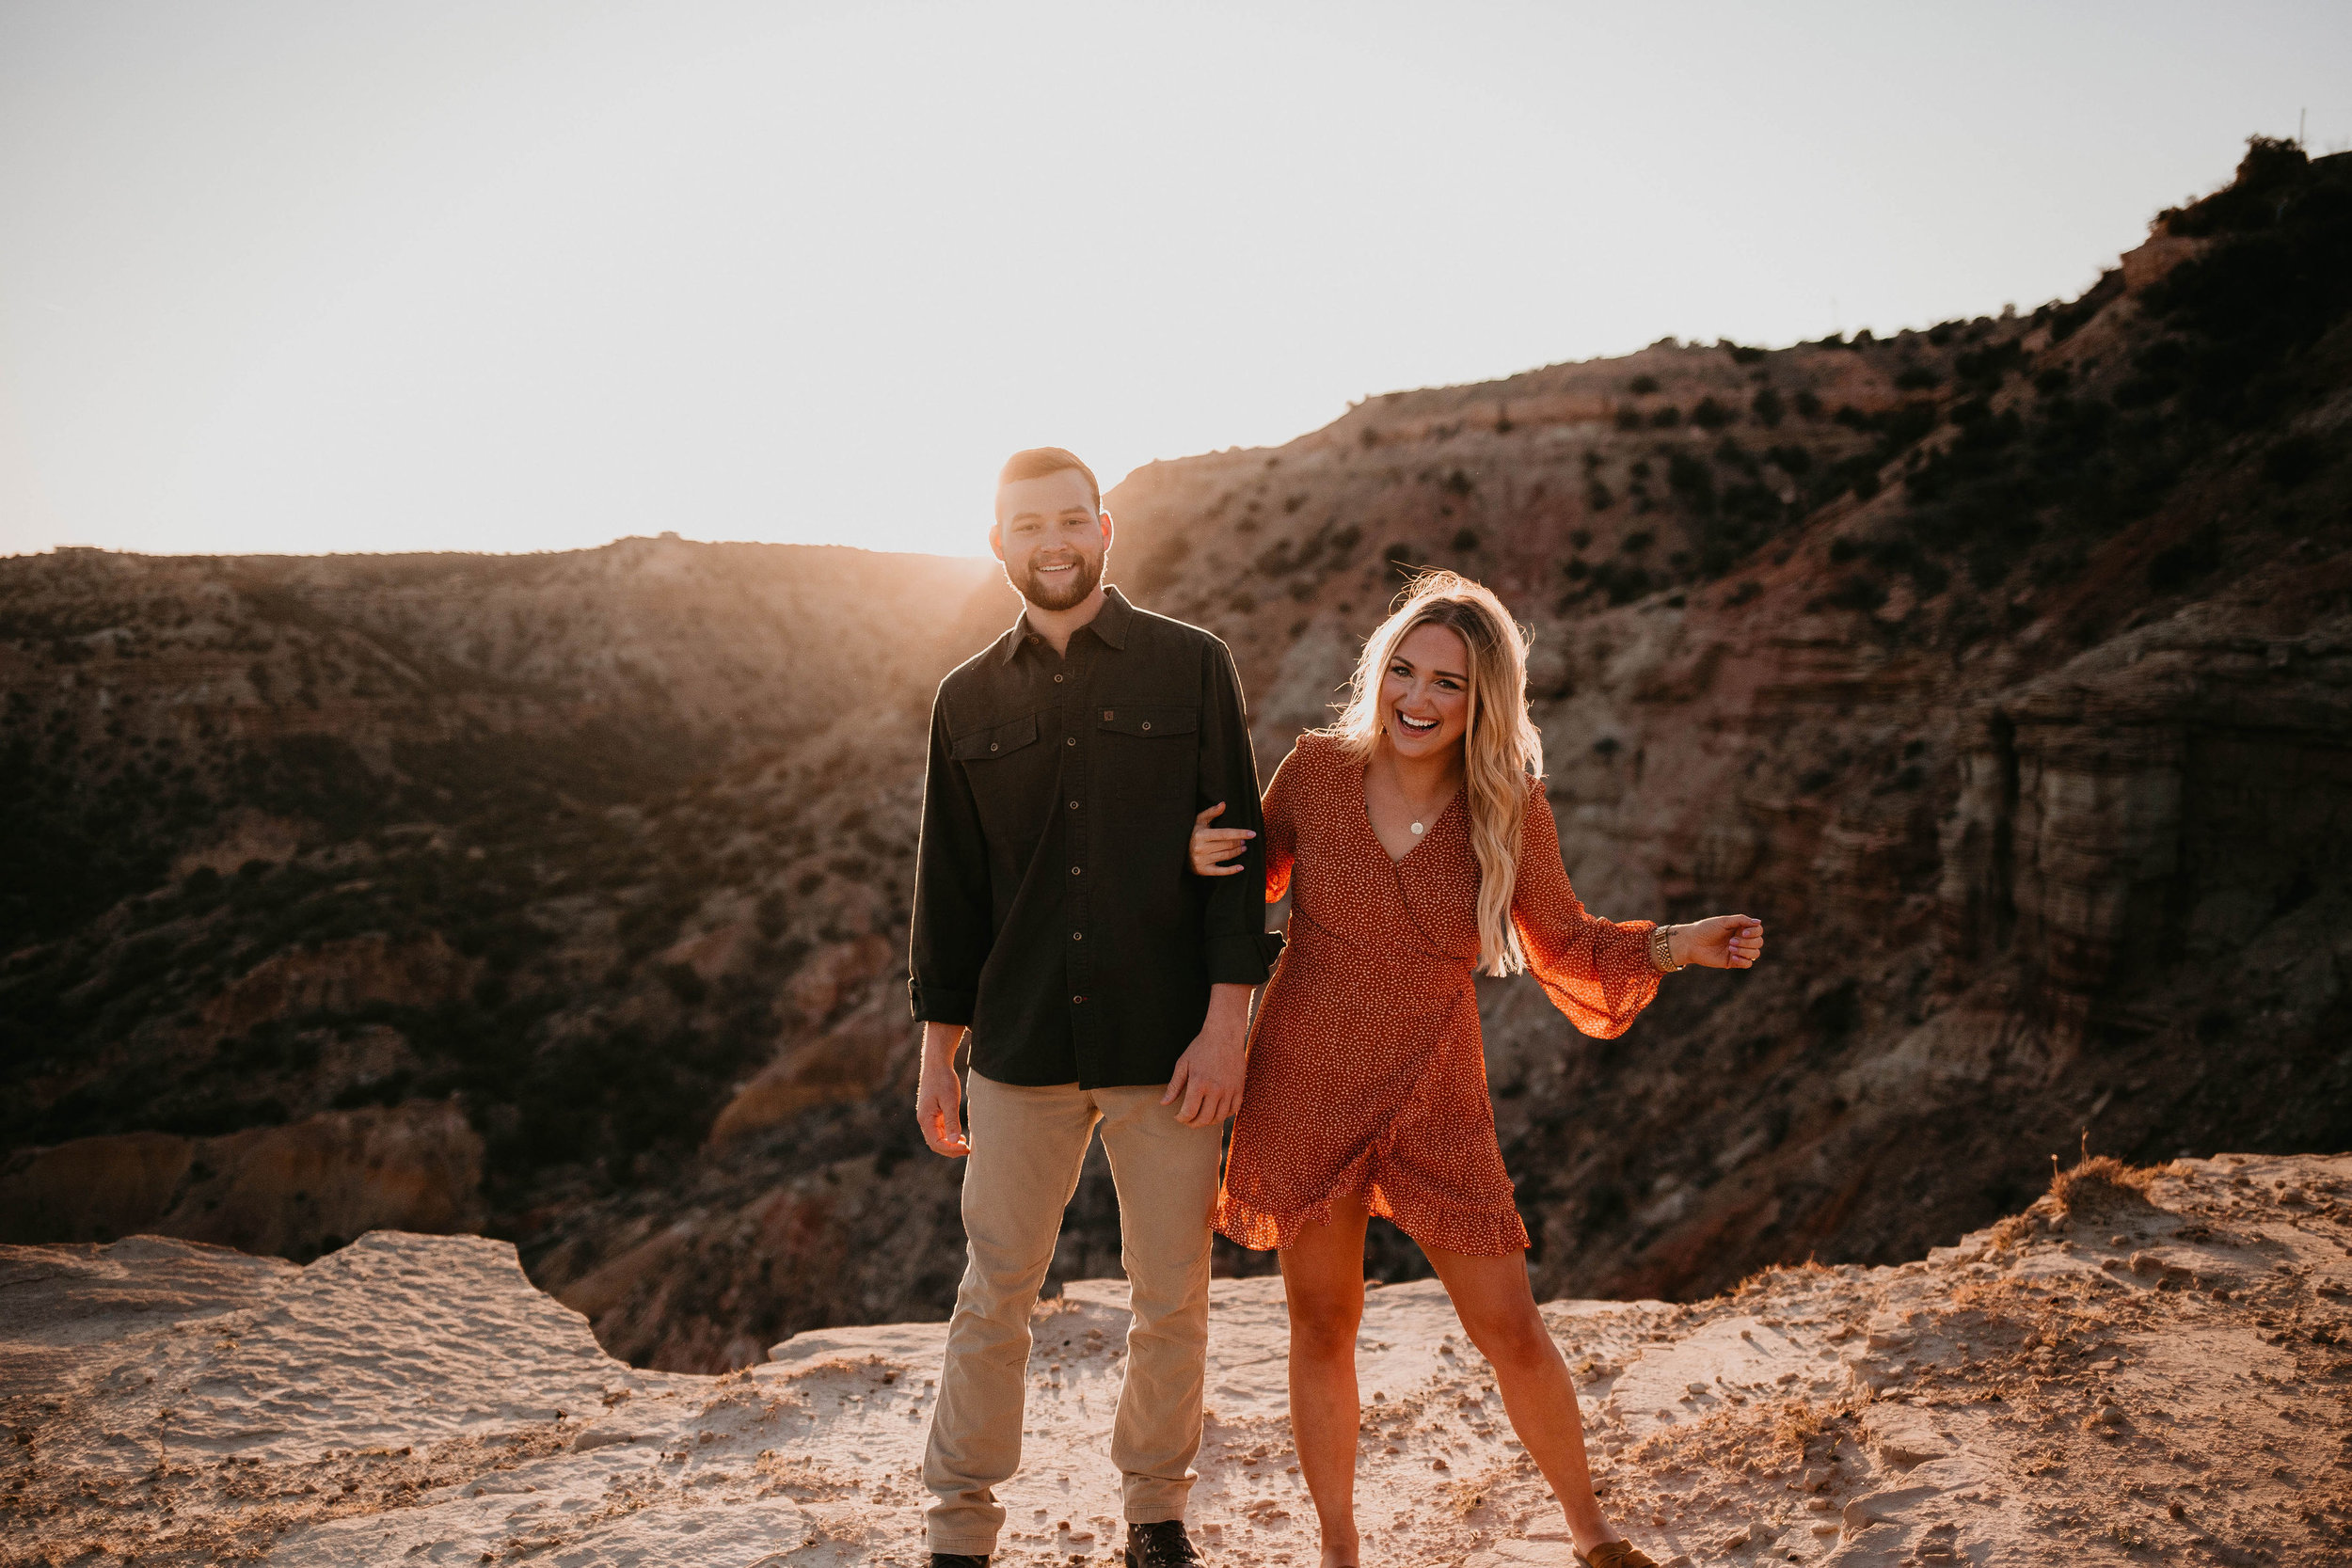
point(2004, 668)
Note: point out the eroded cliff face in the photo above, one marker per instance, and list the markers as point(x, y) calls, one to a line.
point(2144, 1362)
point(2004, 668)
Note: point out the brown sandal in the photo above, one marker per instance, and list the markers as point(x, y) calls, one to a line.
point(1614, 1554)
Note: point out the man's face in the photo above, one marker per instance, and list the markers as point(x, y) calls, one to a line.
point(1051, 538)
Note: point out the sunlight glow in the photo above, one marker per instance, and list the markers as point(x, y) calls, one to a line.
point(530, 276)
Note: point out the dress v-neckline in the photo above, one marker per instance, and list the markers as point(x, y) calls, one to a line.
point(1363, 801)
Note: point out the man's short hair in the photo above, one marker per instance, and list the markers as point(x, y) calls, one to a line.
point(1036, 462)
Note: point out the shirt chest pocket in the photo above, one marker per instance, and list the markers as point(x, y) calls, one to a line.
point(1149, 721)
point(996, 741)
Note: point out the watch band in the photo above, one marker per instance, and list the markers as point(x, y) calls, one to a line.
point(1661, 950)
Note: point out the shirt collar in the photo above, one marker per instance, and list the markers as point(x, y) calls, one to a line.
point(1110, 623)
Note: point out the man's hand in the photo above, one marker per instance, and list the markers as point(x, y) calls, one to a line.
point(938, 1097)
point(1208, 1076)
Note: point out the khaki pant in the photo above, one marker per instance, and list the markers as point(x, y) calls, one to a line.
point(1028, 1145)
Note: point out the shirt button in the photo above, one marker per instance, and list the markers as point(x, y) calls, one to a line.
point(1108, 713)
point(1074, 805)
point(1056, 680)
point(1078, 870)
point(1078, 999)
point(991, 745)
point(1072, 741)
point(1147, 723)
point(1078, 936)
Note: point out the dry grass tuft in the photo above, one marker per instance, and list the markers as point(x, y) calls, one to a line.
point(2103, 1186)
point(1771, 1274)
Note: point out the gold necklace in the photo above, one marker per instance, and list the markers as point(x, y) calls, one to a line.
point(1396, 778)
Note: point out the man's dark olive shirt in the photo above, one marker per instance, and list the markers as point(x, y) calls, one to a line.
point(1055, 910)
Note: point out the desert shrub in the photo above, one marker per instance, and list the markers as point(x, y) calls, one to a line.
point(1711, 414)
point(1598, 496)
point(1692, 480)
point(1622, 583)
point(1667, 418)
point(1806, 403)
point(1795, 460)
point(1638, 541)
point(1642, 386)
point(1629, 419)
point(1465, 540)
point(2267, 177)
point(1741, 353)
point(1767, 407)
point(1916, 378)
point(1988, 365)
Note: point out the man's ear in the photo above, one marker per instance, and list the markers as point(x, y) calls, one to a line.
point(1107, 531)
point(997, 540)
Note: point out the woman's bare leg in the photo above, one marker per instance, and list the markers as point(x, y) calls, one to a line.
point(1498, 1310)
point(1323, 1282)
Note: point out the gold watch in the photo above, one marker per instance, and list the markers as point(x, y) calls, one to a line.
point(1661, 950)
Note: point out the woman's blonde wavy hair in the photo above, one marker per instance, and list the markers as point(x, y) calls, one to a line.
point(1500, 747)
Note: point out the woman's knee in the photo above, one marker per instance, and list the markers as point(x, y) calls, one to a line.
point(1323, 1327)
point(1513, 1339)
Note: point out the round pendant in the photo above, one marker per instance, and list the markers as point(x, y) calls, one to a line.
point(1418, 828)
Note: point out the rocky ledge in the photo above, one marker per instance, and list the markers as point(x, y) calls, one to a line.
point(2146, 1364)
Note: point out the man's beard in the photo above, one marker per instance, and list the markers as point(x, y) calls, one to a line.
point(1081, 583)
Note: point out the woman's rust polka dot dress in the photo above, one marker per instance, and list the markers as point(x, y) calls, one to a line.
point(1367, 1074)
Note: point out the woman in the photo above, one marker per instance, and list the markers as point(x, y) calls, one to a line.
point(1417, 844)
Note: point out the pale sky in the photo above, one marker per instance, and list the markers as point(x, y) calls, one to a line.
point(418, 275)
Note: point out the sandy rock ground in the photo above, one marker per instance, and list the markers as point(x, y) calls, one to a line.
point(2145, 1366)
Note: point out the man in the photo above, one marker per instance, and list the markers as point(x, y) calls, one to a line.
point(1102, 987)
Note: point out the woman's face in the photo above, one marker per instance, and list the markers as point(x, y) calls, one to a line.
point(1424, 693)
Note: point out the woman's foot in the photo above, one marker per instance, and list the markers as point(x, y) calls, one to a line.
point(1336, 1554)
point(1616, 1554)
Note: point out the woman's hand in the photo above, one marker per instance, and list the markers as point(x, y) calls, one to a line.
point(1726, 942)
point(1212, 847)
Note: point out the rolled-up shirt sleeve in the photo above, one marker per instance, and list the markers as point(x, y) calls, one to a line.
point(1238, 948)
point(951, 935)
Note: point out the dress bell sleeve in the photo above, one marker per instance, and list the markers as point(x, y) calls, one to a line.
point(1598, 972)
point(1234, 923)
point(1282, 827)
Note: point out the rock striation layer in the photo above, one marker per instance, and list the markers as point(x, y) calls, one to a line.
point(2143, 1362)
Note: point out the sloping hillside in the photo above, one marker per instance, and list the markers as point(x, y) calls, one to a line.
point(2004, 667)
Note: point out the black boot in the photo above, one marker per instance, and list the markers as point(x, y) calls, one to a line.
point(1161, 1544)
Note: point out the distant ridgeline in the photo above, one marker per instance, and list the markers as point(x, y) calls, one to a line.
point(2005, 668)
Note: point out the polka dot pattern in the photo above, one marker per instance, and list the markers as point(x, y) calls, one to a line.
point(1367, 1074)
